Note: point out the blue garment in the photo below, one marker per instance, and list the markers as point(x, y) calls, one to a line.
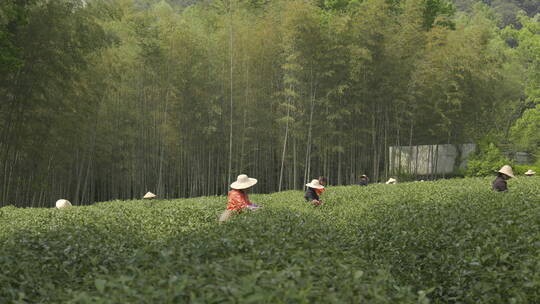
point(363, 182)
point(311, 195)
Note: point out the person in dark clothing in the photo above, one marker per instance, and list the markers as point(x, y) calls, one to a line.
point(311, 192)
point(364, 180)
point(504, 174)
point(500, 183)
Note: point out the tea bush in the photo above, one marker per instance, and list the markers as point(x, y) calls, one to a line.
point(449, 241)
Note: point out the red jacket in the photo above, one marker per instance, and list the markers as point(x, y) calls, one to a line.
point(238, 200)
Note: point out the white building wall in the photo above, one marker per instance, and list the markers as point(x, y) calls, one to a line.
point(428, 159)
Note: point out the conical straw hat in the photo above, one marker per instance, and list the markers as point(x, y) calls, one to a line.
point(243, 182)
point(315, 184)
point(149, 195)
point(391, 181)
point(507, 170)
point(530, 172)
point(62, 203)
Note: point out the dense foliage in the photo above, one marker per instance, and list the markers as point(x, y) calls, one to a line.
point(448, 241)
point(526, 131)
point(508, 11)
point(110, 99)
point(487, 160)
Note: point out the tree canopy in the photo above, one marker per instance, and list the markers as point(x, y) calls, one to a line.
point(111, 99)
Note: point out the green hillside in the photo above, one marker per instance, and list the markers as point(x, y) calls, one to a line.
point(508, 10)
point(442, 242)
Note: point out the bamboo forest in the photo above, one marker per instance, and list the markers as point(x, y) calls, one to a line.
point(110, 99)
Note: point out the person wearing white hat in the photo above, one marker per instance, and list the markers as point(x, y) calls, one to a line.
point(504, 174)
point(238, 198)
point(364, 180)
point(391, 181)
point(530, 172)
point(149, 195)
point(62, 204)
point(311, 192)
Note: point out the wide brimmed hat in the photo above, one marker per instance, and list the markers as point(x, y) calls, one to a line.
point(62, 203)
point(243, 182)
point(507, 170)
point(391, 181)
point(149, 195)
point(363, 175)
point(315, 184)
point(530, 172)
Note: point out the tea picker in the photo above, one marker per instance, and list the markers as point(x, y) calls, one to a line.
point(504, 174)
point(391, 181)
point(238, 197)
point(364, 180)
point(149, 196)
point(312, 192)
point(62, 204)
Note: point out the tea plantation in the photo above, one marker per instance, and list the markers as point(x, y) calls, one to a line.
point(450, 241)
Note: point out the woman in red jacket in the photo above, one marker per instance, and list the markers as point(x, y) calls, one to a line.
point(322, 181)
point(238, 198)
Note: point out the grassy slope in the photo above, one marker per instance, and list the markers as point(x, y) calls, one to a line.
point(446, 241)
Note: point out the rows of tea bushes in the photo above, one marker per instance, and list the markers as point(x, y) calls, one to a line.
point(450, 241)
